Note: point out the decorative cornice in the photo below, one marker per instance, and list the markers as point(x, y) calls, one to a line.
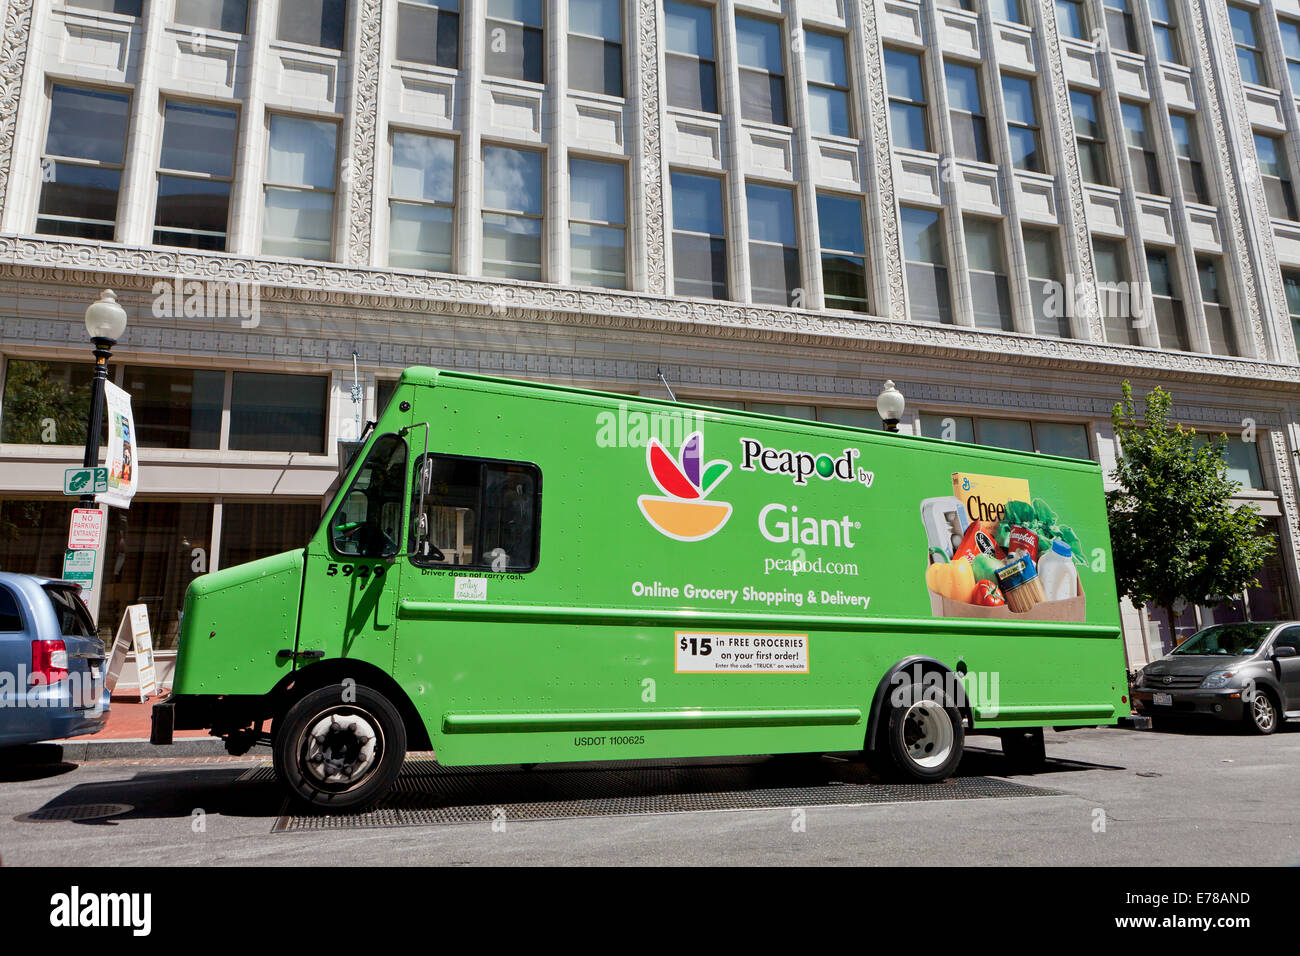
point(32, 258)
point(13, 61)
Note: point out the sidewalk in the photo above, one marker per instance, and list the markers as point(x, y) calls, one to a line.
point(127, 735)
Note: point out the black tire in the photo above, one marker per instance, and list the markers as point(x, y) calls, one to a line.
point(331, 768)
point(1024, 748)
point(921, 732)
point(1262, 714)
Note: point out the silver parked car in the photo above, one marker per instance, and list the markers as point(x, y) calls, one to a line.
point(1247, 671)
point(51, 662)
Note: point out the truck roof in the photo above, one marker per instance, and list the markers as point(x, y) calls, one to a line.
point(431, 377)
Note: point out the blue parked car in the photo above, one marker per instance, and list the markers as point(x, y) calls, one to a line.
point(51, 662)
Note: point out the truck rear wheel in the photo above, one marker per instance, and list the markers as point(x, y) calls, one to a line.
point(923, 734)
point(340, 751)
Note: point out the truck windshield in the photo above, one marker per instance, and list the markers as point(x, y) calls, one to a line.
point(1227, 640)
point(368, 521)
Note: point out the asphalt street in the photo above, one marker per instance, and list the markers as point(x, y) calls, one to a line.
point(1205, 796)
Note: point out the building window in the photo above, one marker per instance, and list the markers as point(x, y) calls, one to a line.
point(259, 529)
point(1218, 317)
point(313, 22)
point(1115, 292)
point(512, 213)
point(1171, 324)
point(990, 291)
point(428, 31)
point(1242, 459)
point(421, 210)
point(1249, 56)
point(228, 16)
point(33, 535)
point(150, 558)
point(596, 46)
point(699, 237)
point(1022, 123)
point(516, 39)
point(1119, 26)
point(828, 84)
point(967, 5)
point(1291, 282)
point(597, 224)
point(773, 249)
point(1093, 165)
point(1291, 49)
point(844, 261)
point(1276, 173)
point(1008, 10)
point(299, 188)
point(1168, 47)
point(928, 293)
point(1067, 439)
point(1046, 291)
point(970, 131)
point(45, 403)
point(1141, 149)
point(127, 8)
point(762, 71)
point(81, 169)
point(274, 412)
point(176, 407)
point(194, 176)
point(1071, 20)
point(807, 413)
point(905, 85)
point(691, 70)
point(1188, 150)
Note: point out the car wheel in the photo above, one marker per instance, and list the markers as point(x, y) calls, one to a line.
point(923, 734)
point(1024, 748)
point(1261, 713)
point(340, 754)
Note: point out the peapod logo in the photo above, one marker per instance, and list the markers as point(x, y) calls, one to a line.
point(802, 465)
point(683, 511)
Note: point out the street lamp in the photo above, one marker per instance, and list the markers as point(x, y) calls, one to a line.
point(105, 322)
point(889, 405)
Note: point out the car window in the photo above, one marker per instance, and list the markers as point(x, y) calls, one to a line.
point(74, 619)
point(10, 619)
point(1288, 638)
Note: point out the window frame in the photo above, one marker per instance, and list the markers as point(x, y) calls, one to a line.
point(621, 44)
point(846, 90)
point(791, 190)
point(1036, 127)
point(1147, 148)
point(1095, 142)
point(540, 217)
point(699, 60)
point(721, 180)
point(483, 461)
point(861, 257)
point(160, 171)
point(1261, 69)
point(332, 192)
point(489, 20)
point(600, 223)
point(784, 75)
point(426, 5)
point(49, 159)
point(1190, 165)
point(393, 132)
point(982, 117)
point(892, 99)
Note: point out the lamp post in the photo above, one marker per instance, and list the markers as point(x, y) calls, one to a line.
point(105, 321)
point(889, 405)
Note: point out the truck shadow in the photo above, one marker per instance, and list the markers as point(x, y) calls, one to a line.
point(551, 791)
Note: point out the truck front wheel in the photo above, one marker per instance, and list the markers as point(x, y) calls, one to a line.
point(923, 734)
point(340, 747)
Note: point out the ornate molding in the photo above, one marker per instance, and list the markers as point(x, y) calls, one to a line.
point(651, 123)
point(37, 259)
point(1069, 151)
point(882, 145)
point(1253, 186)
point(1285, 464)
point(13, 61)
point(364, 130)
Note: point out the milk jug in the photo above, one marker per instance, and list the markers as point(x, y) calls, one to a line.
point(1057, 572)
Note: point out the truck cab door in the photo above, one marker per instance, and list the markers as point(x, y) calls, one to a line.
point(350, 581)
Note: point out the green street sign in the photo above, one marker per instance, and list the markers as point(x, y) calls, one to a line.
point(85, 481)
point(79, 566)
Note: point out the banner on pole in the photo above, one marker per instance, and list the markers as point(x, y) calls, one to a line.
point(122, 469)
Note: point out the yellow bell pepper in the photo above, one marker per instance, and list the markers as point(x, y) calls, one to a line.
point(954, 580)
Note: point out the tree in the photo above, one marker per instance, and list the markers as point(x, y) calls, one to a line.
point(1174, 532)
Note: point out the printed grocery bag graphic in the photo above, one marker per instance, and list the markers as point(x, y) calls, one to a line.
point(997, 552)
point(684, 512)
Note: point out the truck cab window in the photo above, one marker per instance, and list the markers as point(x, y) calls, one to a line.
point(480, 513)
point(368, 522)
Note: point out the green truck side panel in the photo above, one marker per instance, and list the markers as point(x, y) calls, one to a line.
point(566, 662)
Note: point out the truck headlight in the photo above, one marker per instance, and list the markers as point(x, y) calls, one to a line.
point(1217, 679)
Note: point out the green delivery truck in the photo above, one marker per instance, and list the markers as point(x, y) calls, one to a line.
point(515, 572)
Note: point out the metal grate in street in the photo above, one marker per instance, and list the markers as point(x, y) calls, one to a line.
point(427, 794)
